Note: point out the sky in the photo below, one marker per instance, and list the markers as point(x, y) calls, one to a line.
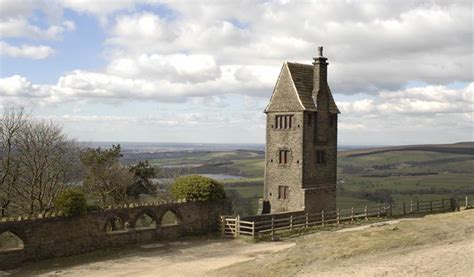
point(401, 72)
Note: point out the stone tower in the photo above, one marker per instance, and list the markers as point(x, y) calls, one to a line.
point(301, 140)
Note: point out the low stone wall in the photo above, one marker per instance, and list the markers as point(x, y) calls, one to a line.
point(62, 236)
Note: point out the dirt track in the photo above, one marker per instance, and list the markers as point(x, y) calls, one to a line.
point(434, 245)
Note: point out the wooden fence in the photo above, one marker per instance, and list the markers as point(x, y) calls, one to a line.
point(231, 226)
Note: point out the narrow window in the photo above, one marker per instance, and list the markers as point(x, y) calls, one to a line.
point(320, 157)
point(310, 116)
point(290, 121)
point(283, 192)
point(283, 121)
point(284, 156)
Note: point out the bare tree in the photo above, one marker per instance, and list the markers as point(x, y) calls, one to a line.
point(12, 122)
point(47, 161)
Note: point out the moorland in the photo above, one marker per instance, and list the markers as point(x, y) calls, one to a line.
point(365, 176)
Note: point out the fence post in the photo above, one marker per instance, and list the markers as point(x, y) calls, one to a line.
point(453, 207)
point(237, 226)
point(322, 217)
point(273, 230)
point(338, 212)
point(431, 206)
point(404, 209)
point(365, 212)
point(291, 222)
point(411, 206)
point(378, 211)
point(417, 206)
point(352, 214)
point(459, 205)
point(222, 226)
point(253, 229)
point(306, 226)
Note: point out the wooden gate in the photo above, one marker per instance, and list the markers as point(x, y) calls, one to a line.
point(228, 226)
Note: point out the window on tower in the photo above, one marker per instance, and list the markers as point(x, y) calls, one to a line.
point(320, 157)
point(284, 121)
point(284, 156)
point(283, 192)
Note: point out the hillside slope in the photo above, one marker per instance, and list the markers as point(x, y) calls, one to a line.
point(434, 245)
point(458, 148)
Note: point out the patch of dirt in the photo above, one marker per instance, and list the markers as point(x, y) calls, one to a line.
point(434, 245)
point(183, 258)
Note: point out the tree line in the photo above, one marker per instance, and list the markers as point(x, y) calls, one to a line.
point(38, 163)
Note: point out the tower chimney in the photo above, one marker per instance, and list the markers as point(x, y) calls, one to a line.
point(320, 72)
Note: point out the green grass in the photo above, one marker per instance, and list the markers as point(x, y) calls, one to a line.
point(401, 174)
point(251, 167)
point(345, 202)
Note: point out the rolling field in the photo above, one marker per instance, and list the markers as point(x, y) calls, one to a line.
point(365, 177)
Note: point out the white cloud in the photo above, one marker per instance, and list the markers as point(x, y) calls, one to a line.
point(176, 67)
point(20, 27)
point(204, 52)
point(98, 7)
point(376, 46)
point(418, 100)
point(26, 51)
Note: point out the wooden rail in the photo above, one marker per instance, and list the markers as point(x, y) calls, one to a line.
point(234, 227)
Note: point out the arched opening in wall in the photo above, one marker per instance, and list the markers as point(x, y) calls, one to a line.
point(169, 218)
point(145, 221)
point(115, 224)
point(10, 241)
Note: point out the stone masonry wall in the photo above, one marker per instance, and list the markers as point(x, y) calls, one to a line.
point(284, 174)
point(62, 236)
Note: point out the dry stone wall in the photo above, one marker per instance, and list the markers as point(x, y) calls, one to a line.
point(62, 236)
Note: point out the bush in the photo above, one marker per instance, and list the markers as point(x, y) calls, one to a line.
point(195, 187)
point(71, 202)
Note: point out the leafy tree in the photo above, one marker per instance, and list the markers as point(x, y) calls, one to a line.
point(196, 187)
point(71, 202)
point(106, 178)
point(142, 185)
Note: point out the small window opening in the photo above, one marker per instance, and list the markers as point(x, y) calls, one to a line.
point(10, 241)
point(320, 157)
point(283, 192)
point(284, 156)
point(284, 121)
point(145, 221)
point(115, 224)
point(169, 218)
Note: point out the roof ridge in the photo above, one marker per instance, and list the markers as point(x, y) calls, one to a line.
point(299, 63)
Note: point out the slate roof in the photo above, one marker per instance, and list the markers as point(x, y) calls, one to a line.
point(302, 75)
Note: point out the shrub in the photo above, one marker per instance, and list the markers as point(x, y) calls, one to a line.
point(196, 187)
point(71, 202)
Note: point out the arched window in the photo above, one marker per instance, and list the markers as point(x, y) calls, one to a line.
point(169, 218)
point(145, 221)
point(10, 241)
point(114, 224)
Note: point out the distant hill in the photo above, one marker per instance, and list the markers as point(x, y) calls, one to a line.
point(457, 148)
